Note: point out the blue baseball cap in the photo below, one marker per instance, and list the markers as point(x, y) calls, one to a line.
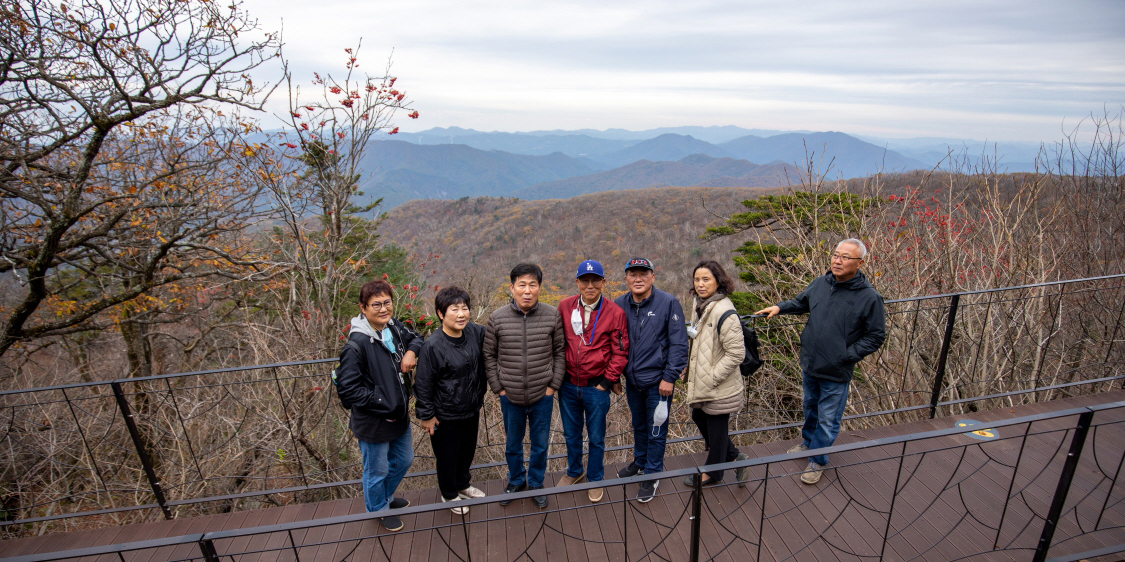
point(590, 267)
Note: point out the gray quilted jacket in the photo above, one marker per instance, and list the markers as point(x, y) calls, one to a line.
point(524, 353)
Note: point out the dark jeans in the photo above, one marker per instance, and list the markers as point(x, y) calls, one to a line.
point(455, 445)
point(578, 406)
point(648, 445)
point(516, 421)
point(715, 433)
point(823, 403)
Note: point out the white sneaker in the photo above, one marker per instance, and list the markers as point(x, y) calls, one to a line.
point(460, 510)
point(470, 493)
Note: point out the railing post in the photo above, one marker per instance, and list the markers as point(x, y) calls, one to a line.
point(939, 378)
point(139, 444)
point(207, 549)
point(1063, 487)
point(696, 511)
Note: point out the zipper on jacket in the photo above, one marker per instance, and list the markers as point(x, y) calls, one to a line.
point(401, 380)
point(526, 389)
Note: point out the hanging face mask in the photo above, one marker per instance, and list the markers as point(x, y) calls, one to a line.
point(692, 331)
point(659, 417)
point(576, 322)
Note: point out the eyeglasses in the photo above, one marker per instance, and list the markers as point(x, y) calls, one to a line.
point(387, 304)
point(588, 282)
point(836, 256)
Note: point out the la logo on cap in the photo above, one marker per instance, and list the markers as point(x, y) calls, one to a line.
point(589, 267)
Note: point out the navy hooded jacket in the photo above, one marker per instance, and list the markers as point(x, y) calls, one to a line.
point(658, 342)
point(846, 323)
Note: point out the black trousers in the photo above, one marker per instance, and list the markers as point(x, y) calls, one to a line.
point(455, 445)
point(715, 433)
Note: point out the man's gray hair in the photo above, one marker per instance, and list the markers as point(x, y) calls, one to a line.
point(858, 244)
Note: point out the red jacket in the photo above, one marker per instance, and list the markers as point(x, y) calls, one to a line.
point(602, 356)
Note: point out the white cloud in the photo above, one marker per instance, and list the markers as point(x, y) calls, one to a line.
point(1002, 70)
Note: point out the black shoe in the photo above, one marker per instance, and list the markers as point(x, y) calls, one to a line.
point(631, 470)
point(647, 491)
point(511, 489)
point(399, 503)
point(540, 501)
point(688, 481)
point(740, 472)
point(391, 522)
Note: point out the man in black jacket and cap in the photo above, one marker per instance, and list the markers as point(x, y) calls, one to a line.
point(846, 324)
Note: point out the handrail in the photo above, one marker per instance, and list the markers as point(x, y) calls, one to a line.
point(331, 360)
point(142, 448)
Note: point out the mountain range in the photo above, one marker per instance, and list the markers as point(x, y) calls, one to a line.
point(519, 164)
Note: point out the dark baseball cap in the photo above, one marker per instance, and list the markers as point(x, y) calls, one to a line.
point(639, 263)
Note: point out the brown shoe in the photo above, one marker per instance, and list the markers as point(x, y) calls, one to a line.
point(798, 448)
point(567, 480)
point(595, 495)
point(812, 473)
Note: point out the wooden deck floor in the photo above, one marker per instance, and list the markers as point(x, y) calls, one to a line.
point(956, 499)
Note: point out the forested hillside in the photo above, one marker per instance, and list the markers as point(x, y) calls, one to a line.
point(480, 239)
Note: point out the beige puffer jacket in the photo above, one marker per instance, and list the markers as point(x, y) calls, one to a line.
point(713, 361)
point(524, 354)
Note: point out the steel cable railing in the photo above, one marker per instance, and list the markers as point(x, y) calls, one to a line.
point(222, 439)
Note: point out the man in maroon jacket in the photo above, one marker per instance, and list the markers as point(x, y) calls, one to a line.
point(597, 349)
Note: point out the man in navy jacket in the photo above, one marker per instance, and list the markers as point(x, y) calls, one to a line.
point(658, 353)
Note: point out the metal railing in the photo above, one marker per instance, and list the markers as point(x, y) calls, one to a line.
point(237, 438)
point(1044, 484)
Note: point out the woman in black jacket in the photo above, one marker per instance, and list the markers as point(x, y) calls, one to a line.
point(449, 389)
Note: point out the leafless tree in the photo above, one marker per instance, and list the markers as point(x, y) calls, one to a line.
point(116, 156)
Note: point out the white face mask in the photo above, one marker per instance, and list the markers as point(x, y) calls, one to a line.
point(576, 322)
point(659, 417)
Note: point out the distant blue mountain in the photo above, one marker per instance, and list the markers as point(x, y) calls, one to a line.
point(696, 170)
point(668, 147)
point(1009, 156)
point(573, 145)
point(835, 154)
point(400, 171)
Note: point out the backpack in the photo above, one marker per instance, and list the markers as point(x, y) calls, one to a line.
point(752, 361)
point(347, 405)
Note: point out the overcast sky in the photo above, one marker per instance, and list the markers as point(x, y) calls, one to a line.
point(1011, 70)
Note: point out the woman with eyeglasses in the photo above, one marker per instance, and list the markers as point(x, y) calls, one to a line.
point(371, 384)
point(714, 382)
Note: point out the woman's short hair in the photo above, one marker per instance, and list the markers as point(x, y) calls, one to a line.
point(450, 296)
point(726, 284)
point(373, 288)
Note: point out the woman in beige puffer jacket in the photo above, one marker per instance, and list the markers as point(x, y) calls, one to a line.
point(714, 383)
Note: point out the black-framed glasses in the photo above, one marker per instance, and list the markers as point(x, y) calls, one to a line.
point(836, 256)
point(381, 305)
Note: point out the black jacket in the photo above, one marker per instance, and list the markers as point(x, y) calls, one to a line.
point(371, 382)
point(450, 380)
point(845, 325)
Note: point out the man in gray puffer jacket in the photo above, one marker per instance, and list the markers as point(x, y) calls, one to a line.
point(525, 360)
